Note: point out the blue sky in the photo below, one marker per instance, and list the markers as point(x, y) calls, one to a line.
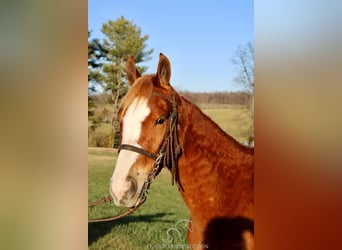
point(199, 37)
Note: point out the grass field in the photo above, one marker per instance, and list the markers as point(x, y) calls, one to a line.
point(154, 224)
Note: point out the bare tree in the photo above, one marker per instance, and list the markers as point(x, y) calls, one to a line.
point(243, 59)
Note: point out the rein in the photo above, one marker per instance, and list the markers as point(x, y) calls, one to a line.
point(168, 156)
point(116, 217)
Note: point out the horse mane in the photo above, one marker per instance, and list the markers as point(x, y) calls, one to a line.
point(143, 87)
point(217, 133)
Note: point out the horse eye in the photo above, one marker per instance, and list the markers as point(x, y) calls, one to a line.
point(160, 120)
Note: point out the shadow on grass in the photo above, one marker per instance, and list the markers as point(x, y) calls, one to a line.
point(98, 229)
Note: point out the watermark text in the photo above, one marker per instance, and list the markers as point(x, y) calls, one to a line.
point(177, 246)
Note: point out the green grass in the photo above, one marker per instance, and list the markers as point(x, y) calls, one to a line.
point(148, 226)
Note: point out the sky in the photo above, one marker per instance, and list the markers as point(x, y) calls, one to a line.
point(198, 37)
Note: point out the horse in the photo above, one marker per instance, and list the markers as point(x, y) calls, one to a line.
point(214, 173)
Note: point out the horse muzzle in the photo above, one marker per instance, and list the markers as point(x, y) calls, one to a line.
point(125, 194)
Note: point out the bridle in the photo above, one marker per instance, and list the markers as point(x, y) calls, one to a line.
point(170, 150)
point(168, 156)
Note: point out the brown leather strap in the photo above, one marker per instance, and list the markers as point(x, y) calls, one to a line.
point(137, 150)
point(119, 216)
point(100, 201)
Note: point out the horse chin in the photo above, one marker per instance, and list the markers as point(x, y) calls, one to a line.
point(125, 203)
point(128, 200)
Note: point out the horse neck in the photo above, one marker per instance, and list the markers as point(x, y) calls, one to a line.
point(199, 133)
point(207, 149)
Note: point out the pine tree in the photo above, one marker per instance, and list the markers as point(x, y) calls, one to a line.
point(123, 39)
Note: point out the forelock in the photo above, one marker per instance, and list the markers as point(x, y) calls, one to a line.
point(142, 87)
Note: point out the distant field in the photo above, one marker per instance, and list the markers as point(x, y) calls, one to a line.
point(234, 120)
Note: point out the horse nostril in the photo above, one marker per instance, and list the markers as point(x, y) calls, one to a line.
point(132, 188)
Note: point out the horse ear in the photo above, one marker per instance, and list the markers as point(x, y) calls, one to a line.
point(131, 70)
point(164, 71)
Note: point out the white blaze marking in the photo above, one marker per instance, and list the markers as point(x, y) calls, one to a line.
point(136, 113)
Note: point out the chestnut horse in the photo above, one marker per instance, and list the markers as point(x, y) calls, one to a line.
point(214, 173)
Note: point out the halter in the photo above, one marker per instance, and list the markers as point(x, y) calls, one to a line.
point(168, 156)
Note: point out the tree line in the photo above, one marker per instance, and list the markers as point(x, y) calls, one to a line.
point(199, 98)
point(224, 97)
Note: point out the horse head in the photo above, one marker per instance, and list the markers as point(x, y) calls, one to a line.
point(144, 118)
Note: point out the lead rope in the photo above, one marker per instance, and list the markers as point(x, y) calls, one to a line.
point(119, 216)
point(100, 201)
